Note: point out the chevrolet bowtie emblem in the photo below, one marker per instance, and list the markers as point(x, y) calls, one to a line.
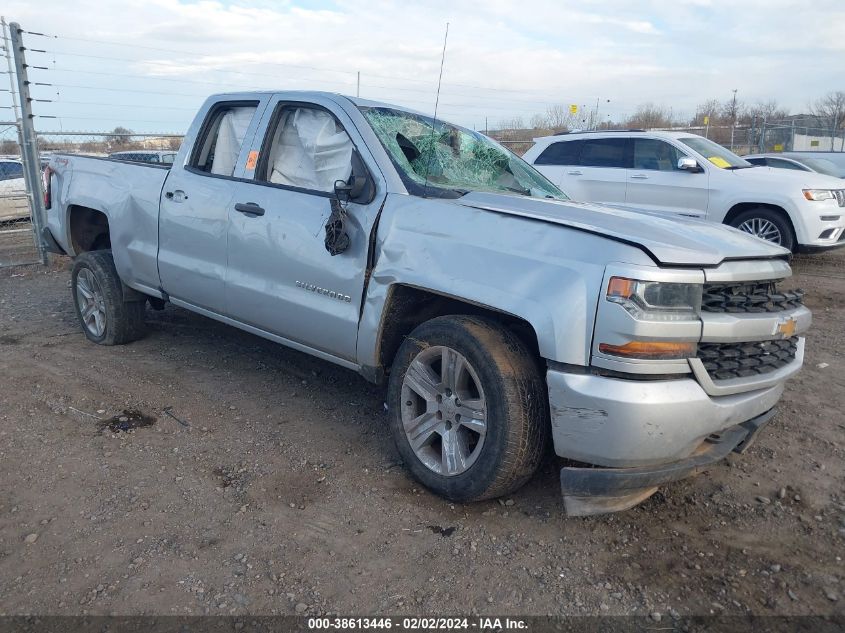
point(787, 328)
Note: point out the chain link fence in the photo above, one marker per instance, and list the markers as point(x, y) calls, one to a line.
point(17, 238)
point(18, 244)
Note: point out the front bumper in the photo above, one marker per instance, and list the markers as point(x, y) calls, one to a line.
point(815, 228)
point(623, 423)
point(589, 491)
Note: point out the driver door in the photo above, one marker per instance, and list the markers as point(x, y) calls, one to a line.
point(280, 277)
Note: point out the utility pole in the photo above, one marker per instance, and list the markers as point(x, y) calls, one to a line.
point(28, 140)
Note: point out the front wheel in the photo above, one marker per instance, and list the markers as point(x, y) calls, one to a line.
point(467, 408)
point(766, 224)
point(105, 317)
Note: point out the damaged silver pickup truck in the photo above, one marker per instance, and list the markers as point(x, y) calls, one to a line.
point(423, 255)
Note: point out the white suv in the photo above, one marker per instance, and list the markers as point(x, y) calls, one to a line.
point(682, 174)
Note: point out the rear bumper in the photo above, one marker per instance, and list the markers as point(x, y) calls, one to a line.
point(589, 491)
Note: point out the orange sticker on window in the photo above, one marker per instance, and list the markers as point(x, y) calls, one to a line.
point(252, 159)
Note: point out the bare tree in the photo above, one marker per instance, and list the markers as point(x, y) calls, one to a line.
point(559, 118)
point(710, 108)
point(119, 136)
point(765, 110)
point(830, 113)
point(649, 115)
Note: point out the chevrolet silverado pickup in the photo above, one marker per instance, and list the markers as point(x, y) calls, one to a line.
point(500, 315)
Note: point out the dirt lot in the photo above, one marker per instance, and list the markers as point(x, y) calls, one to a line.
point(277, 489)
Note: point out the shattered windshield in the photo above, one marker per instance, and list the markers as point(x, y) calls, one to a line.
point(437, 158)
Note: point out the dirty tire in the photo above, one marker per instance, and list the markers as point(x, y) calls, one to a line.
point(764, 217)
point(124, 320)
point(516, 407)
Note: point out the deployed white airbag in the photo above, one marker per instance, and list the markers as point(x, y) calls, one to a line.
point(230, 137)
point(310, 150)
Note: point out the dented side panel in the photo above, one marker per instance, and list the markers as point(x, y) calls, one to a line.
point(548, 275)
point(128, 195)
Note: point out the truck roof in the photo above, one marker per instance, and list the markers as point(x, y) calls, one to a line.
point(309, 94)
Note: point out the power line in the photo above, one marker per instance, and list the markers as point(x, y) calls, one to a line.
point(538, 102)
point(280, 64)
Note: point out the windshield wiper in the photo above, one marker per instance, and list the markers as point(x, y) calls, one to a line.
point(522, 191)
point(734, 167)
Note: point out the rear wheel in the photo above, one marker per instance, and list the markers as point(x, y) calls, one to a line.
point(766, 224)
point(105, 317)
point(467, 408)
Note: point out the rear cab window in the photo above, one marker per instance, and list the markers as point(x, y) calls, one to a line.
point(221, 138)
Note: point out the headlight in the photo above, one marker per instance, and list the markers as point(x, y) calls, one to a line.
point(656, 300)
point(818, 194)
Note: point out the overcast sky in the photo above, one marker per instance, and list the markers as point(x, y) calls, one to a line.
point(148, 64)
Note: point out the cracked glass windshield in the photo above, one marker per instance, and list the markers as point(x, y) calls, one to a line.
point(440, 159)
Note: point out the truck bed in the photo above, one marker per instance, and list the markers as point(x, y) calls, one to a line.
point(128, 193)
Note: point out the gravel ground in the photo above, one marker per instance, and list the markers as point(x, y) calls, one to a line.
point(262, 481)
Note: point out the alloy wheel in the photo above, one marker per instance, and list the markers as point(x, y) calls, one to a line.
point(92, 305)
point(444, 410)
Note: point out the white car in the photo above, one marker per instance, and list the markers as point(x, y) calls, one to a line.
point(13, 202)
point(681, 174)
point(798, 163)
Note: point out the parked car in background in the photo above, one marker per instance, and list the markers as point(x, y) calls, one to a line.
point(146, 156)
point(837, 158)
point(684, 175)
point(798, 163)
point(424, 255)
point(13, 202)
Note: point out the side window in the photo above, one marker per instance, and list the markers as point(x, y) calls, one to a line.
point(13, 170)
point(757, 161)
point(785, 164)
point(651, 153)
point(221, 138)
point(560, 153)
point(605, 152)
point(308, 149)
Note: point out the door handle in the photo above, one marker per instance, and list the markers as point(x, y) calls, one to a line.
point(639, 177)
point(249, 208)
point(574, 173)
point(177, 196)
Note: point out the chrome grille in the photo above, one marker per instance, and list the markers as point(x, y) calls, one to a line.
point(724, 361)
point(840, 196)
point(749, 297)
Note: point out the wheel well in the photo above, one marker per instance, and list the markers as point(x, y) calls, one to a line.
point(746, 206)
point(89, 229)
point(407, 307)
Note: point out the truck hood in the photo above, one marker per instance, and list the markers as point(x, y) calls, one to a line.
point(666, 240)
point(787, 181)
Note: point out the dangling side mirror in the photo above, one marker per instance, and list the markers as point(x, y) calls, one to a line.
point(351, 190)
